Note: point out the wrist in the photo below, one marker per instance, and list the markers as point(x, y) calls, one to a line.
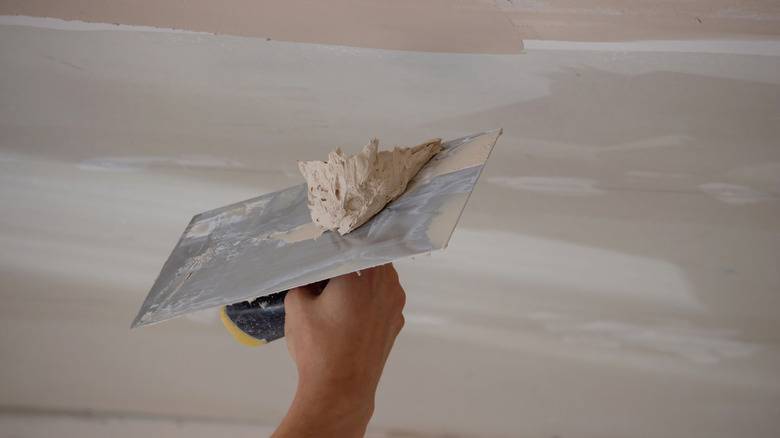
point(343, 396)
point(330, 409)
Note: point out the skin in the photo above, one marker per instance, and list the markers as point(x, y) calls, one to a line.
point(340, 340)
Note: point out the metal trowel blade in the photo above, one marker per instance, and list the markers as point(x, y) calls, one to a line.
point(263, 245)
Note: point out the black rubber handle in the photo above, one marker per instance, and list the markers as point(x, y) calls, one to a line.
point(263, 318)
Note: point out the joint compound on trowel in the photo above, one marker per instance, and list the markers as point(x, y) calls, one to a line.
point(348, 190)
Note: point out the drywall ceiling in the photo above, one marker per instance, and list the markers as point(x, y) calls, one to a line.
point(471, 26)
point(614, 274)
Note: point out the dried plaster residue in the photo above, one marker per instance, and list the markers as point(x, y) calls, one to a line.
point(346, 191)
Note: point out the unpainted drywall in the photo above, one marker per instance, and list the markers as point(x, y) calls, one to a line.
point(614, 272)
point(464, 26)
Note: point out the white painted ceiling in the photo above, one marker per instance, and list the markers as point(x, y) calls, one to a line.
point(614, 274)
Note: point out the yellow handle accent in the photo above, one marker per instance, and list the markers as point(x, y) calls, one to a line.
point(238, 334)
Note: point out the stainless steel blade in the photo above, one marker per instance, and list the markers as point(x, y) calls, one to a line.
point(260, 246)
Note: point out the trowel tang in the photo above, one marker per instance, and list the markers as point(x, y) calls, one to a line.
point(260, 321)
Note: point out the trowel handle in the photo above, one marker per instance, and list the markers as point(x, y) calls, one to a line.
point(260, 321)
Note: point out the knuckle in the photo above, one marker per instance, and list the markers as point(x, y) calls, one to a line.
point(401, 299)
point(392, 272)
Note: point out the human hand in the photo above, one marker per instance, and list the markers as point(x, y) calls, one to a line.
point(340, 341)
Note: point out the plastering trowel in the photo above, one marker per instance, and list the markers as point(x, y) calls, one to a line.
point(245, 256)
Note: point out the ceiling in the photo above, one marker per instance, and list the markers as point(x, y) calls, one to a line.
point(470, 26)
point(614, 273)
